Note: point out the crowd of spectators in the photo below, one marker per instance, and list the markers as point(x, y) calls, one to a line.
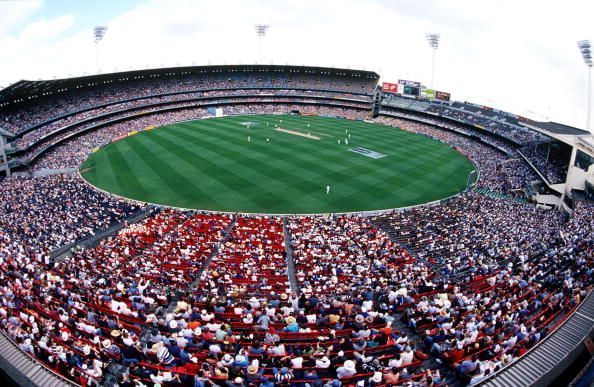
point(252, 261)
point(40, 214)
point(493, 315)
point(363, 309)
point(90, 117)
point(333, 255)
point(456, 239)
point(487, 119)
point(117, 91)
point(553, 168)
point(482, 136)
point(186, 298)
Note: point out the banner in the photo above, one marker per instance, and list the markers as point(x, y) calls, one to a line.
point(389, 87)
point(442, 95)
point(428, 93)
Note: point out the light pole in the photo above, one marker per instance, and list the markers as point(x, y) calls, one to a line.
point(586, 50)
point(433, 40)
point(261, 31)
point(98, 33)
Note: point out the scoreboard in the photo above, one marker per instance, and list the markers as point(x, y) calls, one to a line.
point(412, 88)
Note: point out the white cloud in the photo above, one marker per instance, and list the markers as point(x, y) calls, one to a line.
point(14, 13)
point(43, 30)
point(519, 56)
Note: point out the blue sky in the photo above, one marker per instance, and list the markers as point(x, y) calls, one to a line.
point(518, 56)
point(88, 12)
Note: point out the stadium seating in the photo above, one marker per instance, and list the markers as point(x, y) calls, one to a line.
point(448, 293)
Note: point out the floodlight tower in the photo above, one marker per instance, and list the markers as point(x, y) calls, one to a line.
point(586, 50)
point(261, 31)
point(98, 33)
point(433, 40)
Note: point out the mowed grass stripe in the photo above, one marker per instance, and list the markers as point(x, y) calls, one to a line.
point(217, 168)
point(224, 175)
point(242, 155)
point(117, 172)
point(157, 175)
point(230, 165)
point(280, 180)
point(168, 171)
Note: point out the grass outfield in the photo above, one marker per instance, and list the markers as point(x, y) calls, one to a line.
point(211, 165)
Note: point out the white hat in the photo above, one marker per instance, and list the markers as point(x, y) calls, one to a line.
point(106, 343)
point(349, 365)
point(377, 377)
point(197, 331)
point(86, 350)
point(172, 324)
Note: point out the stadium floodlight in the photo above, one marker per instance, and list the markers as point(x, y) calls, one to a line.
point(261, 31)
point(586, 50)
point(433, 40)
point(98, 34)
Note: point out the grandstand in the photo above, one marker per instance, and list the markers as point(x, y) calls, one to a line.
point(96, 289)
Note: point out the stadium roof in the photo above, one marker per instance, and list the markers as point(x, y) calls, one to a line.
point(556, 128)
point(22, 90)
